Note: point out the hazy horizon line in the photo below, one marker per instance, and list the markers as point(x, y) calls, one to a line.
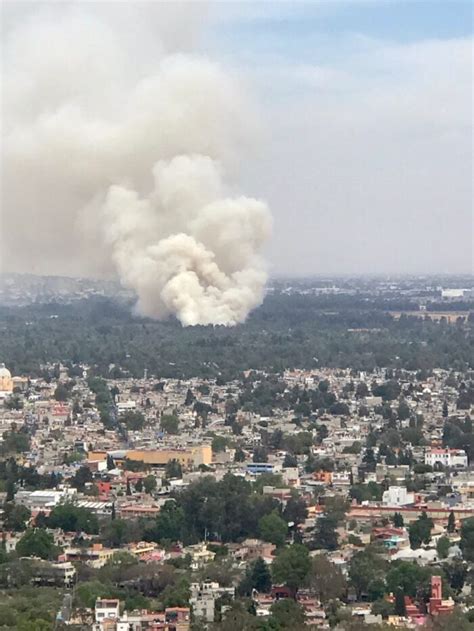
point(283, 276)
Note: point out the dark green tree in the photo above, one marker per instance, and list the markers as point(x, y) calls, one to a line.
point(383, 608)
point(10, 489)
point(239, 455)
point(403, 410)
point(36, 543)
point(61, 393)
point(236, 617)
point(71, 518)
point(170, 522)
point(326, 579)
point(190, 398)
point(367, 571)
point(260, 576)
point(289, 461)
point(15, 516)
point(398, 521)
point(291, 566)
point(409, 577)
point(362, 390)
point(260, 454)
point(451, 527)
point(41, 520)
point(369, 459)
point(82, 476)
point(273, 528)
point(442, 546)
point(170, 423)
point(173, 469)
point(287, 614)
point(325, 535)
point(257, 576)
point(219, 443)
point(400, 607)
point(419, 531)
point(149, 484)
point(116, 532)
point(295, 510)
point(467, 539)
point(456, 571)
point(133, 420)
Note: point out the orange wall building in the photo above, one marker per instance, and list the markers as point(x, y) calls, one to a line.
point(160, 457)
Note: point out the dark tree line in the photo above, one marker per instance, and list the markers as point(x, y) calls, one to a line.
point(286, 331)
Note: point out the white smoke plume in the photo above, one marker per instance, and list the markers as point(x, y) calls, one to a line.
point(203, 266)
point(115, 165)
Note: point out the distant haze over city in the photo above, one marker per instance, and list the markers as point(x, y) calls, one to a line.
point(23, 289)
point(335, 138)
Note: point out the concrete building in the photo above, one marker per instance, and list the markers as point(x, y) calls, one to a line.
point(437, 605)
point(107, 609)
point(341, 479)
point(456, 294)
point(193, 456)
point(126, 406)
point(204, 596)
point(61, 574)
point(96, 556)
point(397, 496)
point(42, 498)
point(455, 458)
point(6, 382)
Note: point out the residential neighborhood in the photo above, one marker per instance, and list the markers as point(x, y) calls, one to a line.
point(178, 504)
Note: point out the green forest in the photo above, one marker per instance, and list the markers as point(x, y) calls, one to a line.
point(287, 331)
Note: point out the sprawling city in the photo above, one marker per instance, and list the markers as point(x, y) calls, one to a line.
point(236, 315)
point(316, 495)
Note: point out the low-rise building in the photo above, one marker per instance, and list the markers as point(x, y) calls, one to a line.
point(397, 496)
point(42, 499)
point(62, 574)
point(455, 458)
point(96, 556)
point(107, 609)
point(194, 456)
point(203, 599)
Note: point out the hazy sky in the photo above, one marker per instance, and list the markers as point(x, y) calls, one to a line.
point(368, 105)
point(364, 152)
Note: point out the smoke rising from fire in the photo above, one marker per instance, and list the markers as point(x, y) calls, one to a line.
point(115, 167)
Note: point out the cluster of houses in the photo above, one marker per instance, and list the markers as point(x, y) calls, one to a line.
point(129, 459)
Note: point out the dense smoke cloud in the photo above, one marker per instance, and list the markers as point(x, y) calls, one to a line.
point(204, 262)
point(115, 166)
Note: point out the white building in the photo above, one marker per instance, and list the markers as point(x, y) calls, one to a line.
point(107, 609)
point(48, 498)
point(397, 496)
point(126, 406)
point(456, 294)
point(291, 476)
point(455, 458)
point(6, 382)
point(204, 596)
point(341, 479)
